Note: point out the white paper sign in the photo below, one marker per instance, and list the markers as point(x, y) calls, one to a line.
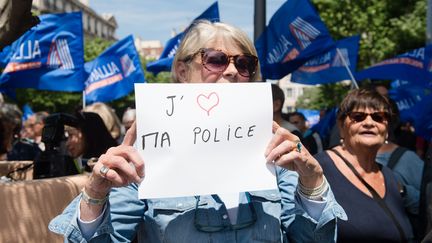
point(199, 139)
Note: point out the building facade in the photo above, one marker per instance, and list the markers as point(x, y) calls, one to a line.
point(149, 49)
point(292, 92)
point(94, 24)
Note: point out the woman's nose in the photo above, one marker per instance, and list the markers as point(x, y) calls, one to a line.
point(231, 72)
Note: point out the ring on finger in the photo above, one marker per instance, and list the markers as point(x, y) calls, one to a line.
point(104, 170)
point(299, 147)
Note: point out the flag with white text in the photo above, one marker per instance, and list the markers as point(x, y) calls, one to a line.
point(49, 56)
point(112, 75)
point(330, 66)
point(406, 96)
point(423, 122)
point(414, 66)
point(294, 35)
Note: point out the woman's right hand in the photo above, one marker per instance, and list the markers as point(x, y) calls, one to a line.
point(125, 166)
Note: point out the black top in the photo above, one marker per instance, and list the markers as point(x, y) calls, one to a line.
point(367, 221)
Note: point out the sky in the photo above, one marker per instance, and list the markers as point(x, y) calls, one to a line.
point(156, 19)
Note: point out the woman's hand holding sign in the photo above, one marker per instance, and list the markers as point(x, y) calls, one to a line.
point(118, 167)
point(286, 150)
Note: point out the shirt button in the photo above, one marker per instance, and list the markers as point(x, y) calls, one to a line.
point(180, 204)
point(225, 216)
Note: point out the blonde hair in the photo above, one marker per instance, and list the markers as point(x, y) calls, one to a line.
point(202, 32)
point(109, 117)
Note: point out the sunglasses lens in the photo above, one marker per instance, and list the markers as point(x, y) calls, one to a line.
point(379, 116)
point(376, 116)
point(218, 61)
point(246, 65)
point(215, 60)
point(357, 116)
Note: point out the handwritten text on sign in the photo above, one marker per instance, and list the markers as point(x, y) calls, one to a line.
point(199, 139)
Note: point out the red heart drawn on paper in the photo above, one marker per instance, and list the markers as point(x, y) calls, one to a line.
point(208, 102)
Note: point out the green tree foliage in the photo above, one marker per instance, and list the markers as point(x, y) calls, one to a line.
point(387, 28)
point(94, 47)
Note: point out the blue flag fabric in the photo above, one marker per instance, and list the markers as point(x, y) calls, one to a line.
point(48, 57)
point(329, 67)
point(9, 92)
point(27, 112)
point(4, 56)
point(112, 75)
point(423, 121)
point(325, 125)
point(165, 60)
point(407, 96)
point(167, 57)
point(312, 116)
point(294, 35)
point(414, 66)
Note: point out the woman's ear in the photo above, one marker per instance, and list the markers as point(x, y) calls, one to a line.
point(182, 72)
point(339, 125)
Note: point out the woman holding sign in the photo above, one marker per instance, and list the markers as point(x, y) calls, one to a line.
point(109, 208)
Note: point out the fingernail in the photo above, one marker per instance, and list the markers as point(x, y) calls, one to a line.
point(139, 179)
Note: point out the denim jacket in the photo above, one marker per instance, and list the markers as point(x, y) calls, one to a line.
point(280, 217)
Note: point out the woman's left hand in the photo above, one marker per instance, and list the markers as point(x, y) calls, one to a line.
point(284, 150)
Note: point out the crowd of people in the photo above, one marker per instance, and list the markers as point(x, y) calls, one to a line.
point(364, 186)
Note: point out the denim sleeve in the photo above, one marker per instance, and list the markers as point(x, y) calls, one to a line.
point(123, 214)
point(296, 222)
point(409, 171)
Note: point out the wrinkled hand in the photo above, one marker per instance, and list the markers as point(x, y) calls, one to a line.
point(282, 150)
point(124, 163)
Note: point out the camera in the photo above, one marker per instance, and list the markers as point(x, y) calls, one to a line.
point(54, 161)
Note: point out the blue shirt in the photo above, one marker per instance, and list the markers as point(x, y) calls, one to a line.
point(280, 217)
point(409, 171)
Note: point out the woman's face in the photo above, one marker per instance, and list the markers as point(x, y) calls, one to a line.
point(75, 142)
point(370, 132)
point(199, 74)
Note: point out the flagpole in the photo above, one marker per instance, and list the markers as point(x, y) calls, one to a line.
point(83, 99)
point(353, 81)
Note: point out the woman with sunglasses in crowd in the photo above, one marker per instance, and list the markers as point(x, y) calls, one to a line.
point(109, 208)
point(368, 191)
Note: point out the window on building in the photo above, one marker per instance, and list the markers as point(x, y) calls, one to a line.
point(105, 31)
point(59, 5)
point(92, 24)
point(47, 3)
point(85, 21)
point(289, 92)
point(68, 8)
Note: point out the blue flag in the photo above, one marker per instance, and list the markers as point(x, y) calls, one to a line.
point(414, 66)
point(312, 116)
point(4, 56)
point(165, 60)
point(112, 75)
point(9, 92)
point(294, 35)
point(27, 112)
point(329, 67)
point(407, 96)
point(423, 121)
point(325, 125)
point(48, 57)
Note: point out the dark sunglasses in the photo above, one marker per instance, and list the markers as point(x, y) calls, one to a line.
point(379, 116)
point(218, 61)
